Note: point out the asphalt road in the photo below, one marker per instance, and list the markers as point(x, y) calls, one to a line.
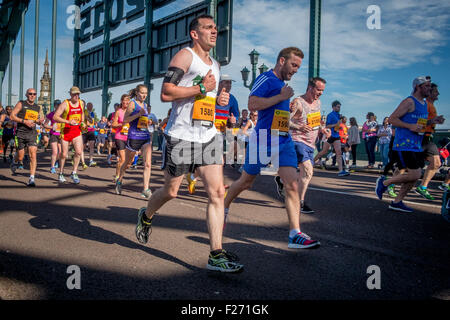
point(46, 229)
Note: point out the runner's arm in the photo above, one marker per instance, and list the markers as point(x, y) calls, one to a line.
point(256, 103)
point(2, 120)
point(115, 122)
point(127, 118)
point(171, 91)
point(59, 112)
point(15, 111)
point(244, 130)
point(404, 107)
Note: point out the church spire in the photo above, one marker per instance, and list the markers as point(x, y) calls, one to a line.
point(46, 64)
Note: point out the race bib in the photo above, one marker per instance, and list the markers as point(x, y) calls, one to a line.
point(143, 123)
point(423, 122)
point(76, 117)
point(313, 120)
point(56, 127)
point(220, 125)
point(204, 108)
point(31, 115)
point(102, 131)
point(124, 130)
point(280, 120)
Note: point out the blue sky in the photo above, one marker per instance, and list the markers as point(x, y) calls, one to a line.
point(366, 70)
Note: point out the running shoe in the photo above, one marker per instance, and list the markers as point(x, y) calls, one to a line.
point(53, 170)
point(108, 159)
point(300, 241)
point(224, 261)
point(391, 191)
point(20, 167)
point(424, 193)
point(92, 163)
point(118, 187)
point(444, 187)
point(75, 178)
point(146, 193)
point(343, 173)
point(13, 167)
point(143, 228)
point(306, 209)
point(31, 182)
point(380, 188)
point(61, 178)
point(280, 186)
point(84, 166)
point(191, 183)
point(400, 207)
point(304, 235)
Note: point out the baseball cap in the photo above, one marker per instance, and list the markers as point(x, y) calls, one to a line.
point(418, 81)
point(226, 77)
point(74, 90)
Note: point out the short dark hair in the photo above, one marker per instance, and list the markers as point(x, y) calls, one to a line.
point(286, 53)
point(433, 85)
point(195, 22)
point(312, 81)
point(335, 103)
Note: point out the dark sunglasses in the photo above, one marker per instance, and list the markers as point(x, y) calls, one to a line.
point(32, 93)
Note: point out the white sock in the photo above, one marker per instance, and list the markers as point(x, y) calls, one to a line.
point(293, 232)
point(31, 176)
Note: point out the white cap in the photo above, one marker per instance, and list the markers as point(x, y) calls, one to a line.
point(418, 81)
point(226, 77)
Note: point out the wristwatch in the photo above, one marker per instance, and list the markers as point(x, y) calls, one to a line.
point(202, 88)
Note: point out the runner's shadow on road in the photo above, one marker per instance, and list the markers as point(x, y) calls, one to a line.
point(78, 225)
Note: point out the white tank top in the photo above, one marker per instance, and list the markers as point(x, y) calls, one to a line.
point(180, 124)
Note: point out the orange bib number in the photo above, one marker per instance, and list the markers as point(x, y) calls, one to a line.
point(31, 115)
point(313, 120)
point(143, 123)
point(76, 117)
point(280, 120)
point(204, 108)
point(423, 122)
point(124, 130)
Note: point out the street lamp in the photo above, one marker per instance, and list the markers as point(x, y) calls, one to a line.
point(254, 55)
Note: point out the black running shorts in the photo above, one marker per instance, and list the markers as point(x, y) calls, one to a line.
point(181, 157)
point(429, 147)
point(408, 159)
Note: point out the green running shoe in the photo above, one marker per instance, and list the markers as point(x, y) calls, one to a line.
point(391, 191)
point(424, 193)
point(224, 262)
point(143, 228)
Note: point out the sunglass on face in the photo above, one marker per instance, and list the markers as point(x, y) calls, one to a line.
point(31, 93)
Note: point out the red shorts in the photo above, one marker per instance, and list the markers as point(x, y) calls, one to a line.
point(71, 132)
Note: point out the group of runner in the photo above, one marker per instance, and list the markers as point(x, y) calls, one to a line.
point(283, 130)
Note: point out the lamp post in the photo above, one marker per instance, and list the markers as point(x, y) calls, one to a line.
point(254, 55)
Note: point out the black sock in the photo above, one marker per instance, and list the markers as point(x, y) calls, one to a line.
point(147, 220)
point(216, 252)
